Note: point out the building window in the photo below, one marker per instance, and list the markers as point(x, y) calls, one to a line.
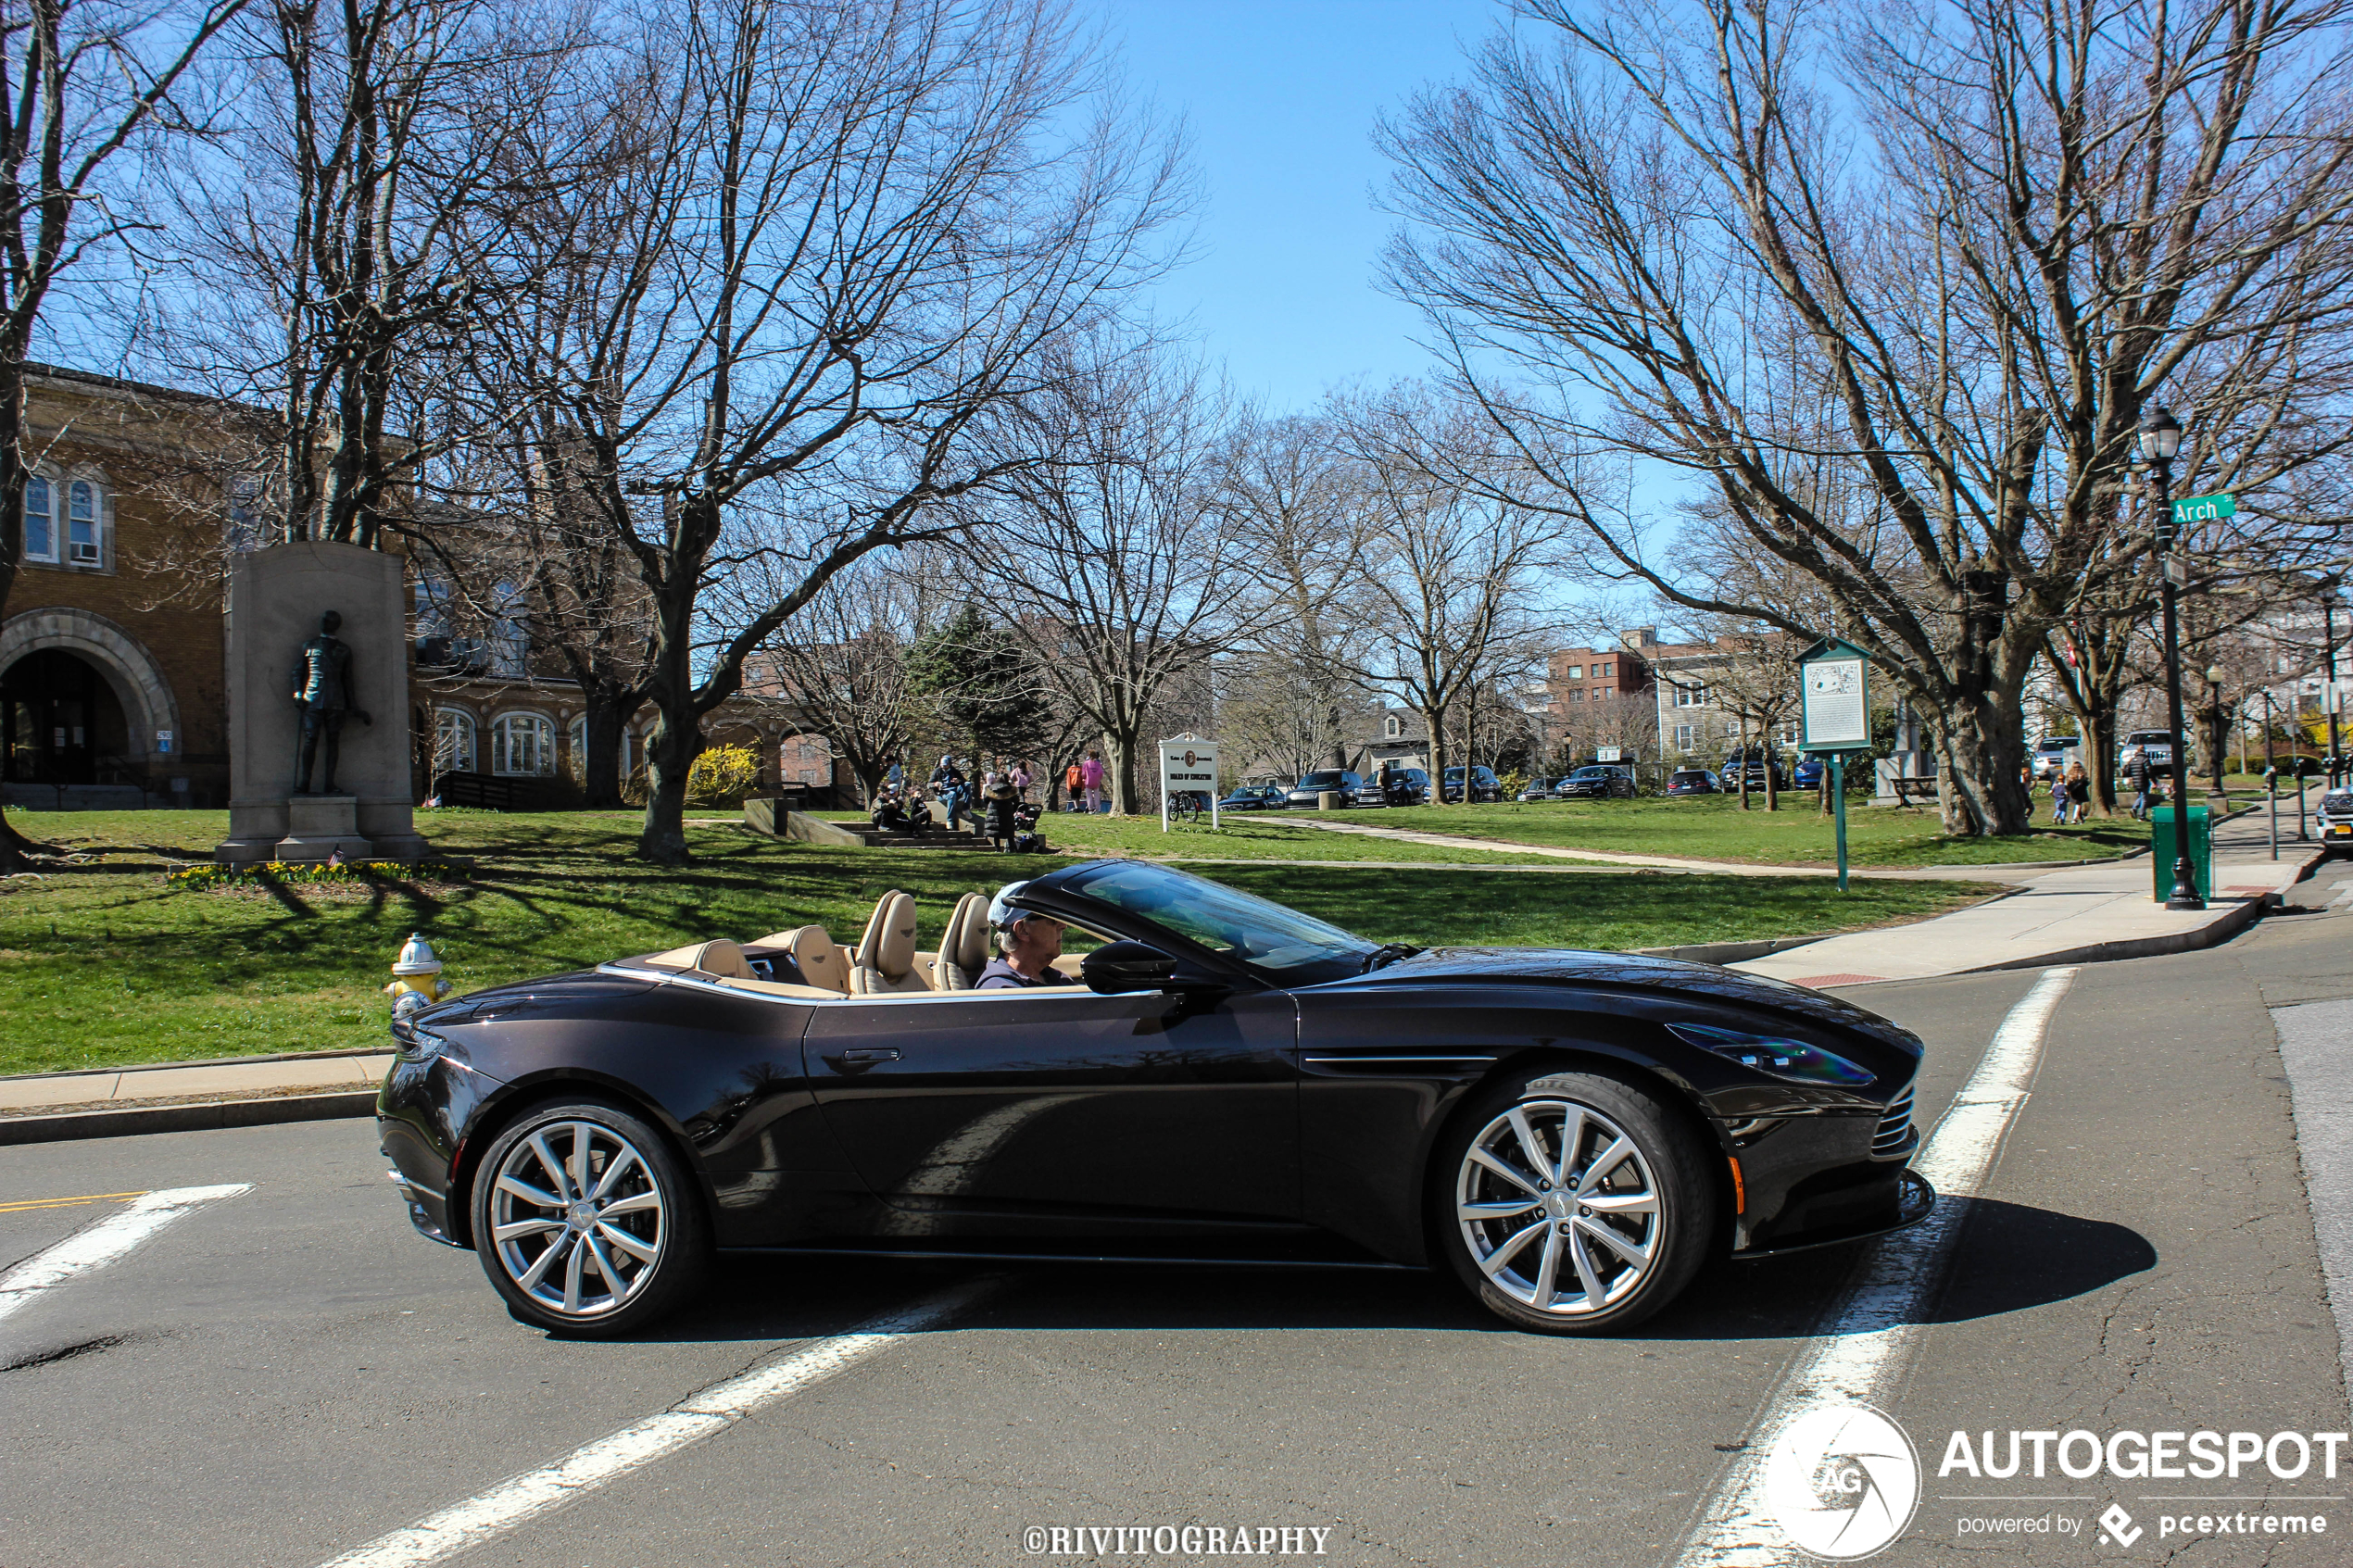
point(1789, 733)
point(1601, 672)
point(86, 523)
point(1601, 692)
point(40, 521)
point(807, 759)
point(1391, 728)
point(1578, 696)
point(523, 743)
point(1682, 737)
point(1576, 671)
point(453, 741)
point(1691, 696)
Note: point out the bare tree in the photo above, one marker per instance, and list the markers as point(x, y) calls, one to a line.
point(1903, 333)
point(1115, 562)
point(1451, 569)
point(843, 239)
point(844, 668)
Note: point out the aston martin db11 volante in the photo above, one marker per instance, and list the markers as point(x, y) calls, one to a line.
point(1220, 1079)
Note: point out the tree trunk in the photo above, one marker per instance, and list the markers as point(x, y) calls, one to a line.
point(608, 720)
point(670, 755)
point(1772, 795)
point(1434, 720)
point(1122, 746)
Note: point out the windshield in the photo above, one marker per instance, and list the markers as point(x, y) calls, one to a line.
point(1326, 780)
point(1233, 925)
point(1591, 773)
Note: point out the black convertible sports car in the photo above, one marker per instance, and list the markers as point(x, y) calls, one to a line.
point(1571, 1133)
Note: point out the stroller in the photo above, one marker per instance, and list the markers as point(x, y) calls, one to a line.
point(1027, 840)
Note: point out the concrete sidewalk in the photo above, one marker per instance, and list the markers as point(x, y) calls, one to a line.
point(2083, 914)
point(173, 1097)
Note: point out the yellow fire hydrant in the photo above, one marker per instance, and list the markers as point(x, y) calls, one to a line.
point(416, 977)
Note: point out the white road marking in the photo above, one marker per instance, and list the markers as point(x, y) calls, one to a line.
point(1863, 1355)
point(96, 1245)
point(2344, 896)
point(464, 1525)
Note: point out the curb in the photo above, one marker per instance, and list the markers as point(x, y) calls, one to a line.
point(1734, 952)
point(205, 1116)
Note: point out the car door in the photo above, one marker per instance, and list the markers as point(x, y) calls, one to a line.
point(1056, 1108)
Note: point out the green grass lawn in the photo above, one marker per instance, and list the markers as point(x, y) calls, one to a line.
point(1715, 828)
point(102, 964)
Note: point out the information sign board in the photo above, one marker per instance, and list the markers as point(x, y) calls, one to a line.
point(1835, 704)
point(1188, 767)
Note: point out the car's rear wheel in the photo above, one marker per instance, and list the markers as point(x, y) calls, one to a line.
point(586, 1222)
point(1575, 1203)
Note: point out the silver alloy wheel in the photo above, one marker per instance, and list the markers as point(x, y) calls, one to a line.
point(573, 1202)
point(1561, 1175)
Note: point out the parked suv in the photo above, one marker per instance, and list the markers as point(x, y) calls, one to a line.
point(2156, 749)
point(1599, 782)
point(1310, 785)
point(1691, 781)
point(2052, 753)
point(1484, 784)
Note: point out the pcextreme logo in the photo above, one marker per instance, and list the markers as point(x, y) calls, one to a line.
point(1843, 1481)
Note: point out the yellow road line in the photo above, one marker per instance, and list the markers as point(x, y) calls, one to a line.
point(23, 1203)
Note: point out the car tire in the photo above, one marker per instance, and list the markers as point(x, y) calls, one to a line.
point(1523, 1243)
point(577, 1198)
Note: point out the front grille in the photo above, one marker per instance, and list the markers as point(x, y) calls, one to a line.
point(1894, 1127)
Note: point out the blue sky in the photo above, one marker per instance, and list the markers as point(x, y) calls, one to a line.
point(1280, 97)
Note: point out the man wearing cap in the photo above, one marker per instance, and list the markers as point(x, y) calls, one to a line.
point(1031, 943)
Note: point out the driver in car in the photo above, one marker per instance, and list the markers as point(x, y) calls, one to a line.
point(1031, 941)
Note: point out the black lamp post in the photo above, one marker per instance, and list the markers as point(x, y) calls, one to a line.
point(2160, 438)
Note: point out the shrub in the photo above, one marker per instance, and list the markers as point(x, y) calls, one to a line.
point(722, 776)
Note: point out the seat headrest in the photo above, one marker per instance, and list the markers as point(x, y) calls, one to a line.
point(820, 960)
point(722, 957)
point(889, 945)
point(965, 944)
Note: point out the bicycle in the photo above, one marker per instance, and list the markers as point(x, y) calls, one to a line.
point(1188, 806)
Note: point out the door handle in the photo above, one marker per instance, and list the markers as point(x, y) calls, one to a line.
point(859, 1057)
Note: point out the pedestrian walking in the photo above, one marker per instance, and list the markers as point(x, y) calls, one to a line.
point(2078, 791)
point(2137, 774)
point(1019, 778)
point(1090, 779)
point(1074, 785)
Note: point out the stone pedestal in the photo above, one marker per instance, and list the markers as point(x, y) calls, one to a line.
point(318, 825)
point(275, 599)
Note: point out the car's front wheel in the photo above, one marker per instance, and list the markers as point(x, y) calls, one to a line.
point(1575, 1203)
point(586, 1223)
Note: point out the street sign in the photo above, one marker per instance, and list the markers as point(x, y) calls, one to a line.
point(1607, 753)
point(2206, 508)
point(1188, 765)
point(2177, 570)
point(1833, 690)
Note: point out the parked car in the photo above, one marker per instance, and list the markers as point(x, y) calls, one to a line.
point(1808, 772)
point(1254, 797)
point(2336, 822)
point(2156, 749)
point(1395, 786)
point(596, 1137)
point(1756, 763)
point(1693, 780)
point(1539, 789)
point(2052, 753)
point(1304, 793)
point(1484, 784)
point(1598, 782)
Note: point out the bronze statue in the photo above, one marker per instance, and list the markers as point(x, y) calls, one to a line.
point(321, 680)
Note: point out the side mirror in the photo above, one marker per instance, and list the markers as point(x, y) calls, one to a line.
point(1126, 966)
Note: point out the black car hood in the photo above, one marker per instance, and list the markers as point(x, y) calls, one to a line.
point(1632, 972)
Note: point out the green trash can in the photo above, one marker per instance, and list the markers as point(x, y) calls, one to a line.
point(2161, 850)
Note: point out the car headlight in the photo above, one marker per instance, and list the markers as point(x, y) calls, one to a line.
point(412, 1043)
point(1793, 1060)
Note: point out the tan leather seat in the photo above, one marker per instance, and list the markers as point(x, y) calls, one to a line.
point(885, 959)
point(820, 960)
point(963, 946)
point(719, 958)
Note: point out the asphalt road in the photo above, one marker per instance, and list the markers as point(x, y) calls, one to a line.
point(285, 1375)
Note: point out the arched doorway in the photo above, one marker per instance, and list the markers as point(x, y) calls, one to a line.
point(60, 722)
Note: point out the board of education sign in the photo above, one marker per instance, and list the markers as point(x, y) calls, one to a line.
point(1188, 765)
point(1834, 700)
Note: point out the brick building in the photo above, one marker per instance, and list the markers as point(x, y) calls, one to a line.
point(114, 638)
